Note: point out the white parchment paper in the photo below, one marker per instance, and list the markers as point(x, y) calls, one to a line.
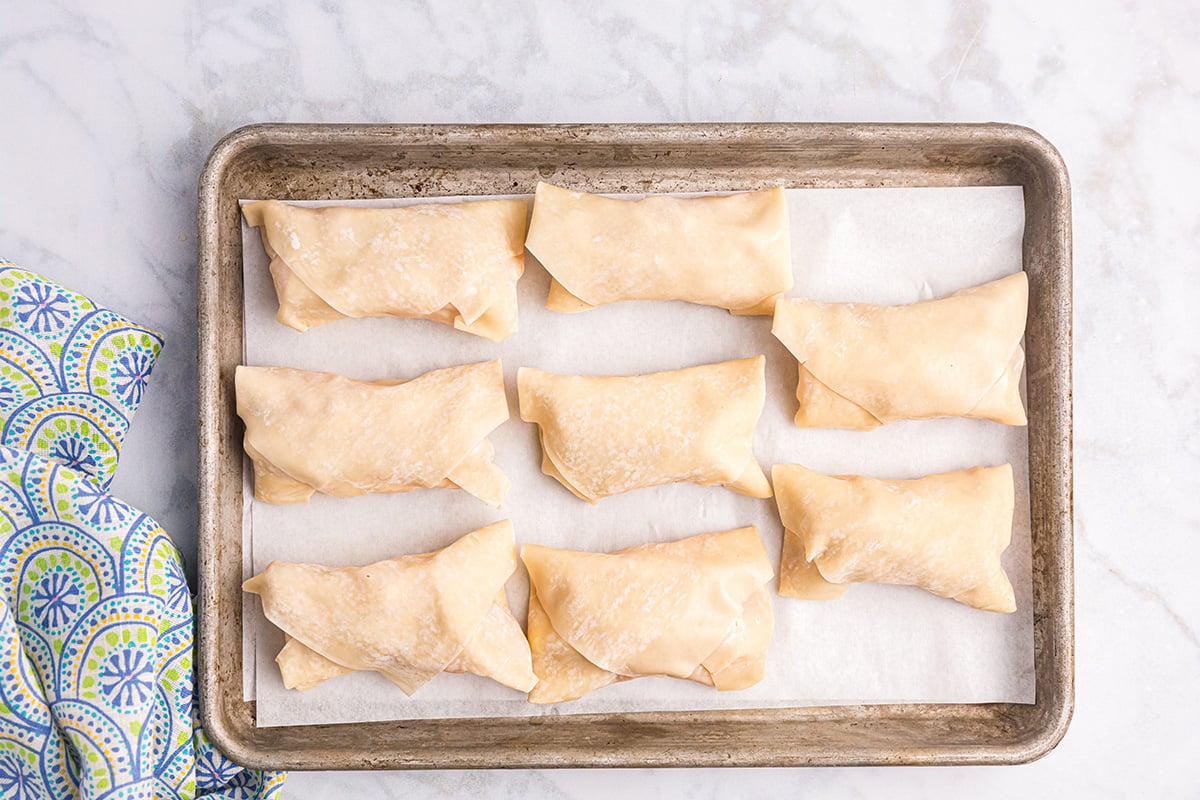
point(878, 644)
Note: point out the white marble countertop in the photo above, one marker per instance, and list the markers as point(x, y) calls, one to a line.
point(111, 109)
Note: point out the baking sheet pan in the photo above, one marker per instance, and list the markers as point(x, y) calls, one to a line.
point(327, 162)
point(877, 644)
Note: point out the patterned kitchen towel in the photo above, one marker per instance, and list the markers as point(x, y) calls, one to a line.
point(96, 649)
point(72, 372)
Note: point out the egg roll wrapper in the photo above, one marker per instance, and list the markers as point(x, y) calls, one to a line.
point(863, 365)
point(733, 251)
point(455, 263)
point(694, 609)
point(407, 618)
point(312, 432)
point(944, 533)
point(606, 435)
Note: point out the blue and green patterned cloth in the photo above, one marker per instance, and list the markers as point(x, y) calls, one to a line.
point(71, 373)
point(96, 637)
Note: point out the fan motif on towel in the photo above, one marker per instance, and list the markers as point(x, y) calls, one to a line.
point(71, 373)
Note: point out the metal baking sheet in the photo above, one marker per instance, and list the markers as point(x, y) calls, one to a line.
point(295, 162)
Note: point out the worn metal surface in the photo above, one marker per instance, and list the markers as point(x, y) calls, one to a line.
point(294, 162)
